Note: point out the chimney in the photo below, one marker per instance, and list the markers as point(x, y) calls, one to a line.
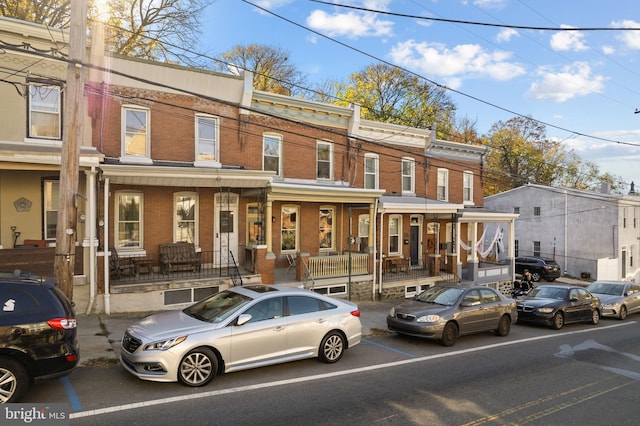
point(605, 188)
point(632, 191)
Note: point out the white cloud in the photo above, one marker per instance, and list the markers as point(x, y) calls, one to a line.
point(608, 50)
point(462, 60)
point(273, 4)
point(568, 40)
point(351, 24)
point(506, 34)
point(630, 38)
point(573, 80)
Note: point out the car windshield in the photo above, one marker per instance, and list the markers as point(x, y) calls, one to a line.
point(550, 293)
point(217, 307)
point(606, 288)
point(441, 295)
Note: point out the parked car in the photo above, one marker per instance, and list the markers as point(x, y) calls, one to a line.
point(618, 298)
point(238, 329)
point(446, 312)
point(37, 333)
point(540, 267)
point(556, 305)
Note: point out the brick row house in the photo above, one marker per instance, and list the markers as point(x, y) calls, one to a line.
point(191, 182)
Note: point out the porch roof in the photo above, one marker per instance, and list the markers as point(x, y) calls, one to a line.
point(203, 177)
point(323, 193)
point(413, 204)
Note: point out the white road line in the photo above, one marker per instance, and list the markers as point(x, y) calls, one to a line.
point(151, 403)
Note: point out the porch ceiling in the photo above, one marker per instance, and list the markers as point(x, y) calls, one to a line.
point(185, 176)
point(412, 204)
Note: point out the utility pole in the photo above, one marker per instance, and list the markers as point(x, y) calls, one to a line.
point(64, 263)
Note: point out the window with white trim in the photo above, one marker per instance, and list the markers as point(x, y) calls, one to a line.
point(363, 232)
point(135, 132)
point(207, 136)
point(443, 185)
point(327, 234)
point(467, 187)
point(185, 217)
point(289, 228)
point(272, 153)
point(324, 160)
point(395, 232)
point(255, 224)
point(408, 175)
point(128, 219)
point(45, 111)
point(51, 189)
point(371, 171)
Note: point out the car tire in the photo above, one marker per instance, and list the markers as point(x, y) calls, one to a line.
point(595, 316)
point(449, 334)
point(623, 312)
point(14, 380)
point(198, 367)
point(504, 326)
point(331, 348)
point(558, 321)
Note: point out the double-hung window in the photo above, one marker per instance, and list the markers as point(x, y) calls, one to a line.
point(207, 136)
point(324, 160)
point(395, 231)
point(326, 235)
point(136, 142)
point(467, 187)
point(45, 111)
point(363, 232)
point(51, 189)
point(289, 228)
point(128, 220)
point(185, 217)
point(408, 175)
point(272, 153)
point(443, 185)
point(371, 171)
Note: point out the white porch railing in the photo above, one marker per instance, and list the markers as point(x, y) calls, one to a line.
point(338, 266)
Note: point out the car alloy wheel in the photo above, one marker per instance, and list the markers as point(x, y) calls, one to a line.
point(14, 380)
point(595, 316)
point(198, 367)
point(504, 326)
point(623, 312)
point(332, 347)
point(449, 334)
point(558, 320)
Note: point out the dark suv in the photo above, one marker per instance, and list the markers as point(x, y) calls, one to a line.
point(37, 333)
point(539, 267)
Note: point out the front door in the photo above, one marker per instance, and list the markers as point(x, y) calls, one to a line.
point(225, 228)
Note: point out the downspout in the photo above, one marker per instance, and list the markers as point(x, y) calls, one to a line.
point(91, 227)
point(107, 303)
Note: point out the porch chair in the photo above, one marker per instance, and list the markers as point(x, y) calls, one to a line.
point(120, 266)
point(292, 263)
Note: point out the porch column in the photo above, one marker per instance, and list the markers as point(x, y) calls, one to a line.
point(372, 228)
point(90, 231)
point(456, 247)
point(268, 227)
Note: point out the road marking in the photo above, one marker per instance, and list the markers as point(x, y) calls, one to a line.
point(389, 348)
point(151, 403)
point(71, 394)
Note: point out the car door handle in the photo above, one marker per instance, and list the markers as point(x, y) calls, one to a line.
point(279, 328)
point(321, 321)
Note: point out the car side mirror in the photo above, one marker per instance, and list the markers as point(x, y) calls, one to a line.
point(243, 319)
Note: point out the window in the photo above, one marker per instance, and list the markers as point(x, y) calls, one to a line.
point(408, 173)
point(255, 221)
point(443, 185)
point(266, 309)
point(299, 305)
point(467, 187)
point(516, 210)
point(326, 228)
point(324, 156)
point(135, 132)
point(536, 211)
point(394, 234)
point(371, 171)
point(207, 131)
point(272, 153)
point(185, 217)
point(128, 220)
point(289, 230)
point(51, 189)
point(536, 248)
point(45, 106)
point(363, 232)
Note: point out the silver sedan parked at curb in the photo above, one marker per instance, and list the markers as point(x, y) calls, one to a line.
point(618, 298)
point(446, 312)
point(238, 329)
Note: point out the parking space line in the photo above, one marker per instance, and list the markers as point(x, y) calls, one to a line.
point(389, 348)
point(71, 394)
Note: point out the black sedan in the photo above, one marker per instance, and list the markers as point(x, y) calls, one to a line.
point(446, 312)
point(556, 305)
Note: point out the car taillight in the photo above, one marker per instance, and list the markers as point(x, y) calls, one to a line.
point(355, 313)
point(62, 323)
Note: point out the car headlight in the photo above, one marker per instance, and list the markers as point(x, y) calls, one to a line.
point(163, 345)
point(611, 305)
point(428, 318)
point(545, 310)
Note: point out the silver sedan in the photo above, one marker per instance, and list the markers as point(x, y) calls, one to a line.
point(618, 298)
point(238, 329)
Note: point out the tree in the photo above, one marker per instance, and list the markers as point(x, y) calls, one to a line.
point(389, 94)
point(148, 29)
point(272, 70)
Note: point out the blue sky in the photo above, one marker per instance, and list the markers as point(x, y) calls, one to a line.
point(577, 82)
